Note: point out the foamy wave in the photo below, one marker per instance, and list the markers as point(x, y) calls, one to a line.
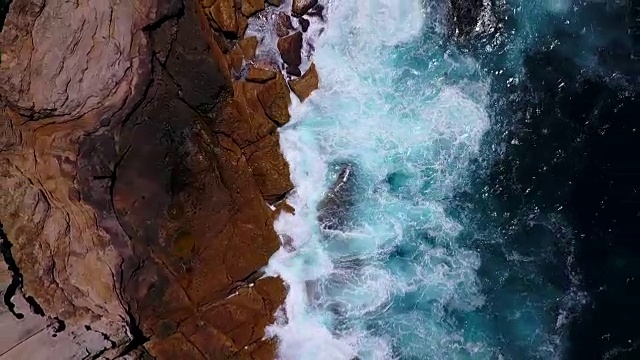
point(398, 251)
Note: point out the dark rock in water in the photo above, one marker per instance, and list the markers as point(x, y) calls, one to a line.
point(334, 208)
point(300, 7)
point(304, 24)
point(290, 48)
point(317, 11)
point(467, 18)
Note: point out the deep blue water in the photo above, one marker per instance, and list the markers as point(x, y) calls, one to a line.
point(490, 207)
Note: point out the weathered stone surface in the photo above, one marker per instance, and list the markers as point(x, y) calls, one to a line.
point(260, 75)
point(269, 169)
point(245, 106)
point(282, 24)
point(248, 47)
point(317, 11)
point(131, 193)
point(306, 84)
point(223, 13)
point(274, 2)
point(236, 59)
point(290, 47)
point(250, 7)
point(275, 100)
point(300, 7)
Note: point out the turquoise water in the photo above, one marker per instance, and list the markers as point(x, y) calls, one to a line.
point(403, 277)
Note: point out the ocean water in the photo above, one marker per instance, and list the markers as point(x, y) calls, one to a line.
point(421, 263)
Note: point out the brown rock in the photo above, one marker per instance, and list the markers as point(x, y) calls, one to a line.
point(243, 23)
point(160, 246)
point(300, 7)
point(224, 14)
point(250, 7)
point(269, 168)
point(236, 59)
point(243, 118)
point(305, 85)
point(274, 2)
point(281, 207)
point(248, 47)
point(275, 100)
point(282, 24)
point(260, 75)
point(222, 42)
point(290, 47)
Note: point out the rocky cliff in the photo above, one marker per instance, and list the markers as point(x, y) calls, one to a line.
point(140, 169)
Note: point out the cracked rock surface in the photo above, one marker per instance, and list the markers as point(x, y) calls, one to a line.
point(135, 179)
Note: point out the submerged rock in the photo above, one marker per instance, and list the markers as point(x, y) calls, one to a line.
point(333, 210)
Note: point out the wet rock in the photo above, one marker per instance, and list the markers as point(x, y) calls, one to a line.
point(282, 24)
point(260, 75)
point(300, 7)
point(306, 84)
point(250, 7)
point(468, 18)
point(275, 99)
point(317, 11)
point(333, 209)
point(290, 48)
point(224, 14)
point(248, 47)
point(274, 2)
point(304, 24)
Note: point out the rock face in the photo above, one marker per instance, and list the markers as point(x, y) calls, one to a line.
point(306, 84)
point(135, 176)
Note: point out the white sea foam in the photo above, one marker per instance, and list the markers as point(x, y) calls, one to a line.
point(389, 116)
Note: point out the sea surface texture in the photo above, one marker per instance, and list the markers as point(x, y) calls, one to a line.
point(464, 195)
